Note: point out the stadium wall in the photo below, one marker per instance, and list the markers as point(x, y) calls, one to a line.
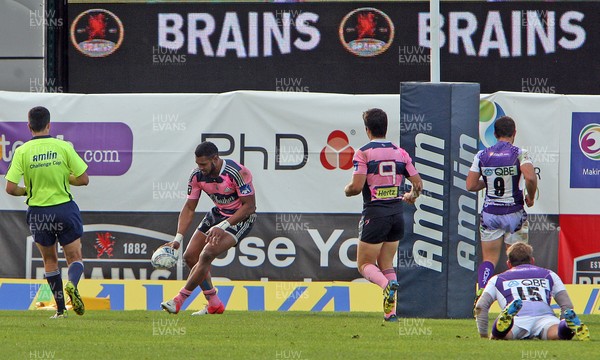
point(139, 148)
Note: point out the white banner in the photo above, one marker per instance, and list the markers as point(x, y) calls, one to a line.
point(538, 118)
point(562, 134)
point(298, 146)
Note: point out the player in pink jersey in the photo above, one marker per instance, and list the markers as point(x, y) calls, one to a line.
point(229, 185)
point(379, 169)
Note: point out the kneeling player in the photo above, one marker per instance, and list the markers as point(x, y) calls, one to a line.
point(524, 293)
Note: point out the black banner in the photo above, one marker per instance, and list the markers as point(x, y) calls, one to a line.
point(282, 246)
point(331, 47)
point(119, 246)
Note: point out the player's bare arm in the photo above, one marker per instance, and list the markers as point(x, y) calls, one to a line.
point(356, 185)
point(415, 191)
point(81, 180)
point(474, 181)
point(248, 208)
point(14, 189)
point(530, 178)
point(186, 215)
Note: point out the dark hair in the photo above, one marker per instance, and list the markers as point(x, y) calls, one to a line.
point(38, 117)
point(504, 127)
point(376, 121)
point(519, 253)
point(206, 149)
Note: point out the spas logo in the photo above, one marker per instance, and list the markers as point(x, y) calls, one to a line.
point(589, 141)
point(338, 152)
point(366, 32)
point(489, 112)
point(97, 33)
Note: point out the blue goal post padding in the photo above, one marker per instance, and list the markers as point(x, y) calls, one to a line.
point(437, 259)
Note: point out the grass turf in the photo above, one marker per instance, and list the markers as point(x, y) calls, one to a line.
point(263, 335)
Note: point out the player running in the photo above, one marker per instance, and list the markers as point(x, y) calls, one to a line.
point(503, 218)
point(49, 166)
point(524, 292)
point(379, 168)
point(229, 185)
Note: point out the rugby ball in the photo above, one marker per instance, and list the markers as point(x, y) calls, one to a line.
point(165, 257)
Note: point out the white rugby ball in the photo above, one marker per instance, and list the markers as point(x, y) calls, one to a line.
point(165, 257)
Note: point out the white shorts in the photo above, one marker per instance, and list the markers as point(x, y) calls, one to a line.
point(511, 227)
point(533, 327)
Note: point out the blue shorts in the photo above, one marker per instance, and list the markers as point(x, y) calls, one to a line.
point(239, 230)
point(51, 223)
point(381, 229)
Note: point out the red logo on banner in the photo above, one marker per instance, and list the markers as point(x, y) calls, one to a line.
point(338, 152)
point(97, 33)
point(366, 25)
point(366, 32)
point(96, 26)
point(104, 244)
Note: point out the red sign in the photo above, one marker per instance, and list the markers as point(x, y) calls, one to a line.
point(579, 249)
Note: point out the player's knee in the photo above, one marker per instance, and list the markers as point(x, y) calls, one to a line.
point(50, 263)
point(189, 259)
point(72, 256)
point(207, 256)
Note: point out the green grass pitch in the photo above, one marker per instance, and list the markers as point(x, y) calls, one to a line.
point(264, 335)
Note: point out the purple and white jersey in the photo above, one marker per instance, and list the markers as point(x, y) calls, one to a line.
point(385, 165)
point(500, 167)
point(532, 284)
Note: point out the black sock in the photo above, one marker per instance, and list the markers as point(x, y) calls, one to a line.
point(56, 285)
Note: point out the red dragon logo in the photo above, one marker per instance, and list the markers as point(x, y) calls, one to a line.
point(104, 244)
point(366, 25)
point(96, 26)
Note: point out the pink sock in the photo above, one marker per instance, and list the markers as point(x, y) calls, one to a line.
point(374, 275)
point(211, 296)
point(390, 274)
point(182, 296)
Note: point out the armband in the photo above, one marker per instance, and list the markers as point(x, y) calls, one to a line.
point(178, 238)
point(223, 224)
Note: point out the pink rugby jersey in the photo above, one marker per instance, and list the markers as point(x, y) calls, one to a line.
point(233, 182)
point(385, 164)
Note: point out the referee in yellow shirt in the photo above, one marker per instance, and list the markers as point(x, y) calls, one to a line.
point(48, 167)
